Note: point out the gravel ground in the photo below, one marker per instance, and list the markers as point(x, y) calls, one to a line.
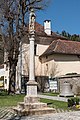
point(57, 116)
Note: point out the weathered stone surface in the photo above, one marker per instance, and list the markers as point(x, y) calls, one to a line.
point(37, 105)
point(31, 99)
point(32, 88)
point(32, 106)
point(38, 111)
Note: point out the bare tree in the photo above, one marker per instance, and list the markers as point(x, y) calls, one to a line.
point(26, 64)
point(1, 50)
point(54, 70)
point(11, 39)
point(13, 21)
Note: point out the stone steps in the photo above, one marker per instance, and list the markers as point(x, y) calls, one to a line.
point(45, 110)
point(34, 111)
point(32, 105)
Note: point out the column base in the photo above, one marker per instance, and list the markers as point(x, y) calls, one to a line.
point(32, 88)
point(31, 104)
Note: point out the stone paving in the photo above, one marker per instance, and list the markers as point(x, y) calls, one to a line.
point(57, 116)
point(54, 98)
point(6, 113)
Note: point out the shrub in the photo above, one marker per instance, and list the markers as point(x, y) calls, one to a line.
point(69, 103)
point(73, 102)
point(77, 101)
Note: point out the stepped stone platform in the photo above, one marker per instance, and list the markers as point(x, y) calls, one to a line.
point(32, 106)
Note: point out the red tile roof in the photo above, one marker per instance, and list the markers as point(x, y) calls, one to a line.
point(41, 36)
point(63, 47)
point(39, 29)
point(57, 43)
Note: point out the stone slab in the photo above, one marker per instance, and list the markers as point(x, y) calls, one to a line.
point(39, 111)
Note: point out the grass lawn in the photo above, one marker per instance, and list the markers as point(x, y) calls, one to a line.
point(50, 94)
point(10, 100)
point(55, 103)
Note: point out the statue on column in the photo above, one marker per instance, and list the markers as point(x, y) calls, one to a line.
point(32, 22)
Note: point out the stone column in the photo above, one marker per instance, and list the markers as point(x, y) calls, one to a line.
point(31, 104)
point(32, 85)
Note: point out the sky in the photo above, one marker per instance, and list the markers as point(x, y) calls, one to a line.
point(64, 15)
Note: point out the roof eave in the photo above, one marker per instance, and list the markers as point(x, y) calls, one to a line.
point(43, 55)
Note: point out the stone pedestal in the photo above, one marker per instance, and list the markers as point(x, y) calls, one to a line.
point(32, 88)
point(32, 106)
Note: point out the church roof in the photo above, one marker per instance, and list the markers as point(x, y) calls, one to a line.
point(41, 36)
point(63, 47)
point(39, 29)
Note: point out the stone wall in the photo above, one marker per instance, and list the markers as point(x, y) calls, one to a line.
point(74, 81)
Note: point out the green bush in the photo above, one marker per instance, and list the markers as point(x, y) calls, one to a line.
point(69, 103)
point(77, 101)
point(73, 101)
